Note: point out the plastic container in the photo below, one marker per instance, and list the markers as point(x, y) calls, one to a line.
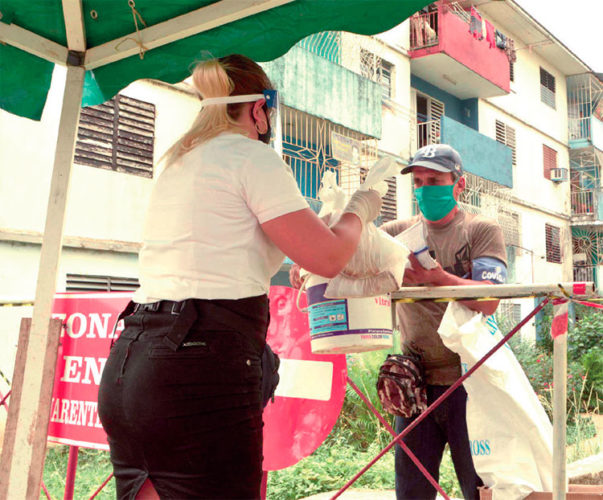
point(347, 325)
point(414, 239)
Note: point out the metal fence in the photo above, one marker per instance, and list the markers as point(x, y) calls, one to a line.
point(424, 30)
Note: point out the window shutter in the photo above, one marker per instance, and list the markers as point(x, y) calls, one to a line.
point(547, 88)
point(553, 243)
point(511, 144)
point(117, 135)
point(549, 156)
point(506, 135)
point(385, 78)
point(436, 111)
point(389, 210)
point(92, 283)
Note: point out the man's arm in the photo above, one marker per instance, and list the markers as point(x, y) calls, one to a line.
point(436, 276)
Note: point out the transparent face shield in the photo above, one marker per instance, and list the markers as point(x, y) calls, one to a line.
point(272, 108)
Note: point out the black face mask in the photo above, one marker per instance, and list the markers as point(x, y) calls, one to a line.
point(265, 137)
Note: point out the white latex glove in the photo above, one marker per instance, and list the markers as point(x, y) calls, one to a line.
point(365, 204)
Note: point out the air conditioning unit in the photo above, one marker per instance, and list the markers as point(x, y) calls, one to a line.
point(559, 174)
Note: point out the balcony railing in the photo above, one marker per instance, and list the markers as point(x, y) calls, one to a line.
point(583, 202)
point(428, 132)
point(424, 30)
point(584, 273)
point(579, 128)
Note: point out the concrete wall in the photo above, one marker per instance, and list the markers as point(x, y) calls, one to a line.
point(524, 99)
point(528, 179)
point(102, 204)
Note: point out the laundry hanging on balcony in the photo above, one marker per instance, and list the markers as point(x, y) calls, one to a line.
point(501, 40)
point(475, 26)
point(510, 50)
point(490, 36)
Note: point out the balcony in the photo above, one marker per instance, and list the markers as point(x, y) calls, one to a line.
point(585, 180)
point(428, 132)
point(585, 111)
point(585, 273)
point(482, 155)
point(444, 53)
point(471, 145)
point(327, 89)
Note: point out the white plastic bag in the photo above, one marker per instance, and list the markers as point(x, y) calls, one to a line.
point(377, 266)
point(510, 434)
point(332, 196)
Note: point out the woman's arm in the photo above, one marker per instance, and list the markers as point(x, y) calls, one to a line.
point(321, 249)
point(308, 241)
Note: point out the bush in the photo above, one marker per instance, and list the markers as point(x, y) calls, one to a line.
point(586, 334)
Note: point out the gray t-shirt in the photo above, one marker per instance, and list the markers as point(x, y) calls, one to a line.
point(456, 244)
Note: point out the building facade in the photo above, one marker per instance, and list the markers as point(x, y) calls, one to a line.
point(524, 112)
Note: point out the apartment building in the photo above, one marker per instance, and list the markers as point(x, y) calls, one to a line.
point(523, 111)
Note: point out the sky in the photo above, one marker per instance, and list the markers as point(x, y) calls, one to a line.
point(576, 23)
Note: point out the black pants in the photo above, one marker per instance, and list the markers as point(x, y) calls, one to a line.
point(189, 419)
point(446, 424)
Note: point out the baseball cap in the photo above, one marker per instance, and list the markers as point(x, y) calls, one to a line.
point(439, 157)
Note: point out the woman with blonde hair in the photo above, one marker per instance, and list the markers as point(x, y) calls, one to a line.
point(180, 396)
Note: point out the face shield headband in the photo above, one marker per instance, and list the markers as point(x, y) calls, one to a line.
point(272, 107)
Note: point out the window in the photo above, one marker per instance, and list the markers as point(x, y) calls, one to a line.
point(429, 115)
point(512, 72)
point(511, 226)
point(509, 315)
point(389, 209)
point(377, 69)
point(547, 88)
point(95, 283)
point(549, 157)
point(506, 135)
point(553, 243)
point(117, 135)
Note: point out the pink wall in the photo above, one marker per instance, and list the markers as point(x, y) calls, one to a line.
point(455, 40)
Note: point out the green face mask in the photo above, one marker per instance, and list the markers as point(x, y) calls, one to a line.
point(435, 202)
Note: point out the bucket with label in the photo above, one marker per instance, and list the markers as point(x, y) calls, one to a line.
point(346, 325)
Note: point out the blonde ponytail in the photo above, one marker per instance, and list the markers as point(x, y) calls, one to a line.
point(211, 79)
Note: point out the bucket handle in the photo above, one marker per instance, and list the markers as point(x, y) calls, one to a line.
point(302, 288)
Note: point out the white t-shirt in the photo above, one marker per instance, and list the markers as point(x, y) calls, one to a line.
point(202, 236)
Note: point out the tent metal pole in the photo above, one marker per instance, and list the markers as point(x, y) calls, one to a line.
point(24, 470)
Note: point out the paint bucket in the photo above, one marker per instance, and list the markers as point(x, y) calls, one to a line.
point(347, 325)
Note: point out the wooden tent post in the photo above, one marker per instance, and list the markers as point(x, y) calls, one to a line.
point(22, 472)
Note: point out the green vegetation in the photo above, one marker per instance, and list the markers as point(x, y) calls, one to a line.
point(358, 436)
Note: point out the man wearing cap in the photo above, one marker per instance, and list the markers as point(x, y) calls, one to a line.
point(468, 248)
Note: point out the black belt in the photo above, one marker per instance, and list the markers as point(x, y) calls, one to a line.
point(163, 306)
point(187, 312)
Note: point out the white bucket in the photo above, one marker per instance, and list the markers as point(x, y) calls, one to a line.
point(347, 325)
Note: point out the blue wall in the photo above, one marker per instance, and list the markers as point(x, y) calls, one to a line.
point(310, 83)
point(481, 155)
point(462, 111)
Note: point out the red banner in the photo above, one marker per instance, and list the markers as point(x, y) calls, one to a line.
point(88, 321)
point(308, 399)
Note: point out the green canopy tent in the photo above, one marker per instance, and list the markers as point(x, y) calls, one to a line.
point(105, 45)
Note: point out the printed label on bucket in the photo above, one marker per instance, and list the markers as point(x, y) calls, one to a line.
point(365, 318)
point(326, 315)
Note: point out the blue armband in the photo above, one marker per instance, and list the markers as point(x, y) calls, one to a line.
point(489, 269)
